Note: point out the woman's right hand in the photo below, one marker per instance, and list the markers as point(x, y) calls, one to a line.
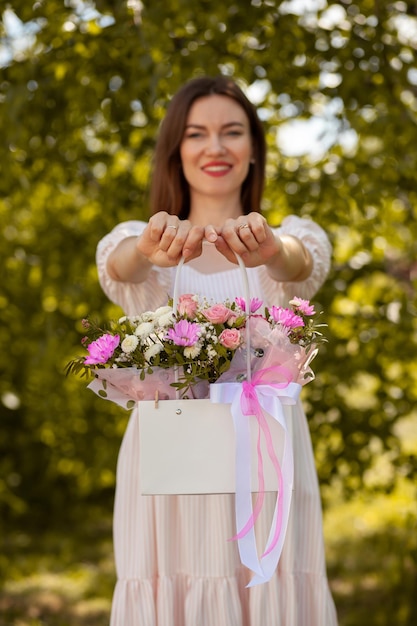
point(166, 239)
point(163, 242)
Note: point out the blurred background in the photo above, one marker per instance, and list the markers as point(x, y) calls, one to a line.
point(83, 88)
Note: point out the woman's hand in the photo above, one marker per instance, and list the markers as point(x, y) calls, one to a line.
point(166, 239)
point(251, 237)
point(163, 242)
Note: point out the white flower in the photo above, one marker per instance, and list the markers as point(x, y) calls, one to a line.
point(129, 343)
point(211, 352)
point(191, 352)
point(162, 310)
point(144, 329)
point(166, 319)
point(147, 316)
point(152, 351)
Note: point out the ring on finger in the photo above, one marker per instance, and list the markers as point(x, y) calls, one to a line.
point(243, 226)
point(172, 226)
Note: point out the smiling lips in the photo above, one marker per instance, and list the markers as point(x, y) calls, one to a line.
point(217, 168)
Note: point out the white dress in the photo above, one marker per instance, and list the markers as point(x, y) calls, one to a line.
point(174, 564)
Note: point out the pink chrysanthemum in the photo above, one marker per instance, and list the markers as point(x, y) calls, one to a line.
point(255, 304)
point(303, 306)
point(102, 349)
point(286, 317)
point(184, 333)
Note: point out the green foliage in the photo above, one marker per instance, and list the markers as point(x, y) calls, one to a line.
point(80, 107)
point(371, 557)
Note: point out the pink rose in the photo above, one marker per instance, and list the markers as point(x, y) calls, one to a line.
point(102, 349)
point(187, 305)
point(230, 338)
point(217, 314)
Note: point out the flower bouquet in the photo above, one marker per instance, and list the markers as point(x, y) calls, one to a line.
point(198, 344)
point(250, 361)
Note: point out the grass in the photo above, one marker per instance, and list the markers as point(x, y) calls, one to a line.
point(58, 579)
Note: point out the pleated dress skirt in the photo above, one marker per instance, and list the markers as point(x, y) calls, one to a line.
point(176, 566)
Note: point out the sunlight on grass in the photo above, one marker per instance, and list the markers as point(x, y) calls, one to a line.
point(70, 598)
point(69, 587)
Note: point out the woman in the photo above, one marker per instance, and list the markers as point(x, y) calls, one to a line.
point(175, 566)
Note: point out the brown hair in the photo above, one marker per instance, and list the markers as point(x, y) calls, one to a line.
point(169, 188)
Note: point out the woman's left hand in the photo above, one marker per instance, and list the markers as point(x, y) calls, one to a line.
point(251, 237)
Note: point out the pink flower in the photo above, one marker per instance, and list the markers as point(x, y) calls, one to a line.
point(102, 349)
point(286, 317)
point(217, 314)
point(255, 304)
point(187, 305)
point(184, 333)
point(230, 338)
point(303, 306)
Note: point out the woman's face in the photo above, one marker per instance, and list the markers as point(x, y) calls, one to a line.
point(216, 149)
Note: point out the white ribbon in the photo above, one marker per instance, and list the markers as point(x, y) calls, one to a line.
point(271, 400)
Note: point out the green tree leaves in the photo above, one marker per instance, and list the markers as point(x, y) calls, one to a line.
point(80, 108)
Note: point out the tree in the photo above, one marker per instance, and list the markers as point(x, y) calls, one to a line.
point(80, 107)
